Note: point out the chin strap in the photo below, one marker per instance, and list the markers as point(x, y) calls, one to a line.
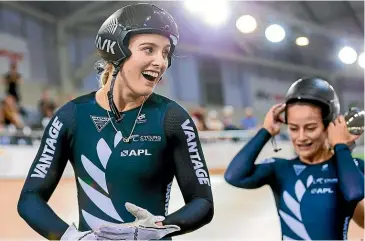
point(113, 107)
point(275, 146)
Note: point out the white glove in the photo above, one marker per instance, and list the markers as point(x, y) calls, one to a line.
point(72, 233)
point(143, 228)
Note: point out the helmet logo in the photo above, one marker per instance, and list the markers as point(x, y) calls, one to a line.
point(106, 45)
point(112, 25)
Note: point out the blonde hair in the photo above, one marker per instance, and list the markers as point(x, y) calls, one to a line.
point(106, 74)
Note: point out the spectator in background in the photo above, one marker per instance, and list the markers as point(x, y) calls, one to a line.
point(228, 118)
point(198, 117)
point(10, 113)
point(12, 80)
point(213, 123)
point(249, 121)
point(46, 105)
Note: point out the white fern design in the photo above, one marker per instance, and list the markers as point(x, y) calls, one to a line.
point(111, 25)
point(103, 202)
point(309, 180)
point(287, 238)
point(295, 224)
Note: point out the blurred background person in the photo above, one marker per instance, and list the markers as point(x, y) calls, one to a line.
point(198, 116)
point(213, 122)
point(228, 112)
point(11, 113)
point(12, 81)
point(46, 107)
point(249, 121)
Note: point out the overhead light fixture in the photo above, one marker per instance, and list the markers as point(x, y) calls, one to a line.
point(302, 41)
point(275, 33)
point(347, 55)
point(246, 24)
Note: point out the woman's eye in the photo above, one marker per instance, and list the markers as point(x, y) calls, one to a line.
point(148, 50)
point(165, 53)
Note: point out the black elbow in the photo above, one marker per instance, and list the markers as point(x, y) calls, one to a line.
point(207, 214)
point(25, 201)
point(242, 182)
point(21, 207)
point(210, 213)
point(205, 219)
point(229, 178)
point(354, 196)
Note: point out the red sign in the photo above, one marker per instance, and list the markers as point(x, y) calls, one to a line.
point(13, 56)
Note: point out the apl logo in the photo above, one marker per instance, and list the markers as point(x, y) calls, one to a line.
point(325, 190)
point(139, 152)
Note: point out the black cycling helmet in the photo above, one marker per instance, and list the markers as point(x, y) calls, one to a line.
point(318, 92)
point(113, 36)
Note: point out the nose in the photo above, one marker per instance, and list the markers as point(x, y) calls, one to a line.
point(159, 61)
point(302, 135)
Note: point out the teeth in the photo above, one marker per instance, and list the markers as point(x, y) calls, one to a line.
point(305, 144)
point(151, 73)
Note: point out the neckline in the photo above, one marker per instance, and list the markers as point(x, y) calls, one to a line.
point(122, 112)
point(314, 164)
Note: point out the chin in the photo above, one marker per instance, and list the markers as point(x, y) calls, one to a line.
point(306, 154)
point(144, 91)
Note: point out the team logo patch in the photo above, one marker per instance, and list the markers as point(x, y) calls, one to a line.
point(141, 119)
point(325, 167)
point(100, 122)
point(267, 160)
point(111, 26)
point(299, 169)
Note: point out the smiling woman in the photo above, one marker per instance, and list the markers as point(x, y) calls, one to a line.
point(141, 72)
point(324, 185)
point(115, 170)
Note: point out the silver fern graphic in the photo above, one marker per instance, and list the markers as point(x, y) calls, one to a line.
point(103, 202)
point(287, 238)
point(111, 26)
point(296, 223)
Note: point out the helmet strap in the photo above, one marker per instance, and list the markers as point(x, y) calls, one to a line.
point(113, 107)
point(275, 146)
